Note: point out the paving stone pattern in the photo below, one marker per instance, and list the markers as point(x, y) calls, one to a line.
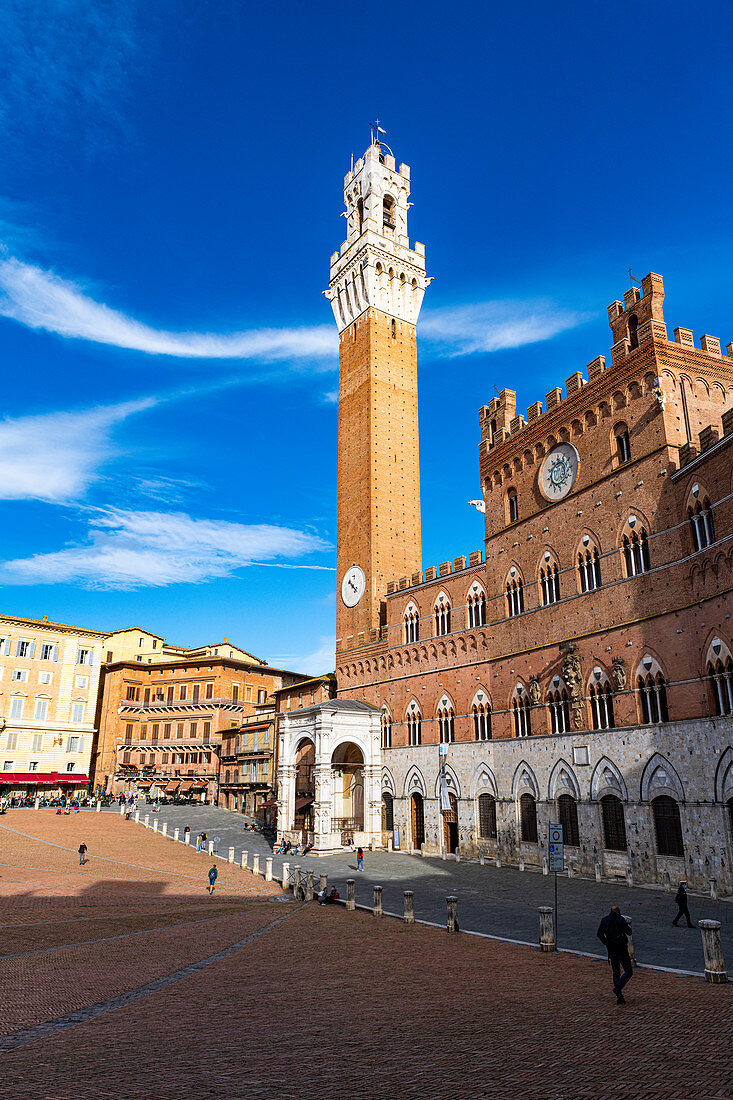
point(500, 902)
point(260, 999)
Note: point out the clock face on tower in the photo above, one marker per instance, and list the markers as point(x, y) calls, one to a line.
point(353, 586)
point(558, 471)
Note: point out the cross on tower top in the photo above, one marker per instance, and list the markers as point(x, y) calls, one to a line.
point(376, 130)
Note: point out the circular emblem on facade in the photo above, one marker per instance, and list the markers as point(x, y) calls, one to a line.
point(559, 471)
point(353, 586)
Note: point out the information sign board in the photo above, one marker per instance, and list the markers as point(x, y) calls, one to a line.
point(556, 849)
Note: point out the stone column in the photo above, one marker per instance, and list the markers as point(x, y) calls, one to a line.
point(256, 863)
point(409, 917)
point(712, 947)
point(285, 876)
point(482, 858)
point(630, 939)
point(245, 860)
point(309, 885)
point(176, 833)
point(350, 897)
point(164, 830)
point(452, 905)
point(322, 882)
point(230, 856)
point(497, 861)
point(547, 928)
point(378, 911)
point(268, 869)
point(598, 872)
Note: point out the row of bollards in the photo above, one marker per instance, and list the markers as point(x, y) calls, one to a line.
point(712, 945)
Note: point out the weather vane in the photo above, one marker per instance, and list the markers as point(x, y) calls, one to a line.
point(633, 278)
point(376, 129)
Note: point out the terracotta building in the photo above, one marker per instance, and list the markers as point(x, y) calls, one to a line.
point(161, 719)
point(576, 668)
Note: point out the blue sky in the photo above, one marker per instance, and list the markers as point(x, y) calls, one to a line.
point(170, 191)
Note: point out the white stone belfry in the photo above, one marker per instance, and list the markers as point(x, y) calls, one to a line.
point(346, 738)
point(376, 266)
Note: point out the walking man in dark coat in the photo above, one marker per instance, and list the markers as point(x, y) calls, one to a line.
point(682, 910)
point(613, 932)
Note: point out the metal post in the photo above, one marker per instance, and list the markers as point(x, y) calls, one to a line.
point(712, 947)
point(547, 931)
point(350, 898)
point(409, 917)
point(309, 885)
point(452, 904)
point(555, 912)
point(378, 911)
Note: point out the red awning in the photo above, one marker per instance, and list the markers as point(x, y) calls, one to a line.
point(187, 784)
point(172, 786)
point(42, 779)
point(301, 802)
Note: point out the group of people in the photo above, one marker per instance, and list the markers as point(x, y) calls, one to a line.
point(614, 932)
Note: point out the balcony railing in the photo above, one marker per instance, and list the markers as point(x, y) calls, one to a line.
point(169, 744)
point(180, 706)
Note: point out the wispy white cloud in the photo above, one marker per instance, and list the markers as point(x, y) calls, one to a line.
point(42, 300)
point(127, 550)
point(55, 456)
point(496, 325)
point(330, 397)
point(318, 661)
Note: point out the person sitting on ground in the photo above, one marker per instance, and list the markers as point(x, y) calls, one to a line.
point(333, 896)
point(322, 896)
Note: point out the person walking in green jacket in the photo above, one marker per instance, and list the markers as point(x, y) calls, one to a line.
point(213, 876)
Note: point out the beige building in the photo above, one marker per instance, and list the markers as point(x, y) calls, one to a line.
point(49, 679)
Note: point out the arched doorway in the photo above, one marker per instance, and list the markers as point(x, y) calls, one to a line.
point(347, 769)
point(418, 821)
point(450, 825)
point(305, 787)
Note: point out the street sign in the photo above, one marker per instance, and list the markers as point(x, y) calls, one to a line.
point(556, 849)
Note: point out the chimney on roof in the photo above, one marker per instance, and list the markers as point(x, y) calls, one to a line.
point(45, 618)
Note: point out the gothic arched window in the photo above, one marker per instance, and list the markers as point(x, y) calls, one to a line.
point(486, 817)
point(411, 623)
point(481, 709)
point(528, 818)
point(567, 809)
point(446, 721)
point(521, 713)
point(476, 607)
point(633, 332)
point(386, 729)
point(388, 208)
point(601, 702)
point(653, 697)
point(550, 582)
point(512, 506)
point(559, 704)
point(514, 595)
point(614, 823)
point(701, 521)
point(636, 553)
point(667, 826)
point(589, 568)
point(721, 678)
point(414, 727)
point(442, 615)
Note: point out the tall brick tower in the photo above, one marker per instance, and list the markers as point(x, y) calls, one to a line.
point(376, 290)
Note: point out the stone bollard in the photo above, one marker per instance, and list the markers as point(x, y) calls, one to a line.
point(176, 834)
point(99, 806)
point(285, 876)
point(598, 872)
point(452, 905)
point(137, 817)
point(122, 809)
point(412, 850)
point(422, 850)
point(155, 825)
point(443, 853)
point(378, 911)
point(268, 869)
point(521, 863)
point(545, 866)
point(629, 877)
point(497, 861)
point(230, 858)
point(211, 847)
point(256, 863)
point(350, 898)
point(630, 940)
point(309, 885)
point(482, 859)
point(547, 928)
point(322, 882)
point(458, 855)
point(187, 839)
point(164, 830)
point(714, 889)
point(36, 804)
point(245, 858)
point(571, 869)
point(666, 881)
point(409, 917)
point(712, 949)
